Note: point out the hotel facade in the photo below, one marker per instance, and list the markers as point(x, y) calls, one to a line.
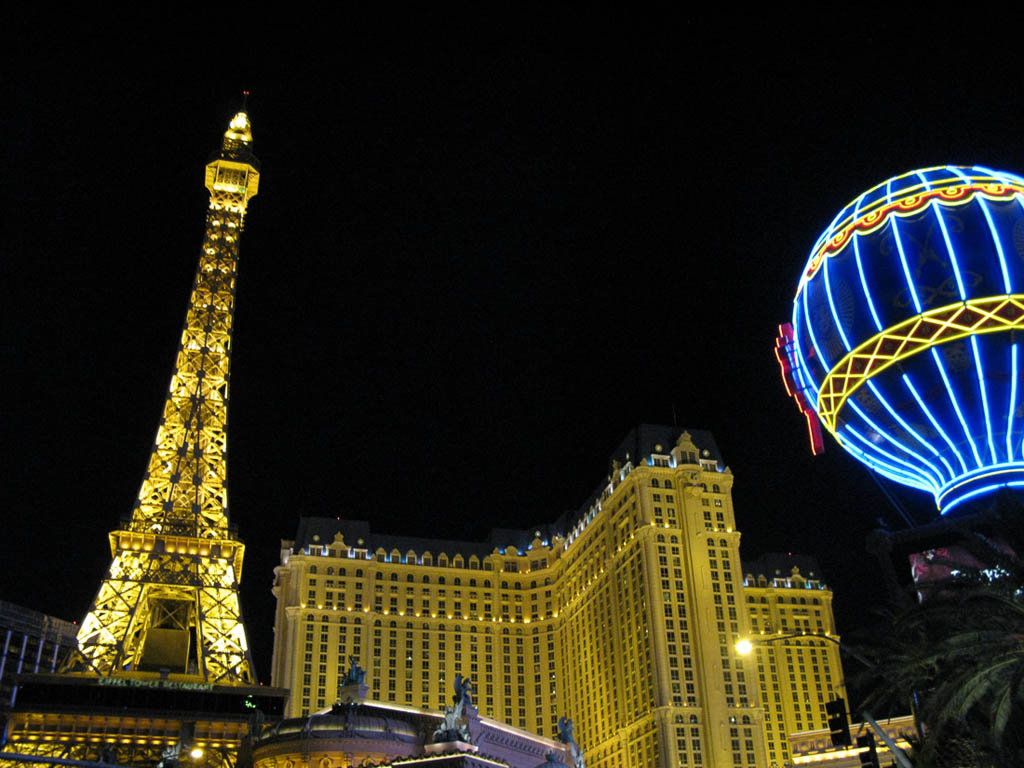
point(623, 615)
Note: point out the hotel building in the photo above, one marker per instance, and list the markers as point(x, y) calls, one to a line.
point(795, 648)
point(623, 615)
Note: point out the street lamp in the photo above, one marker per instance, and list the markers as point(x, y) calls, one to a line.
point(745, 646)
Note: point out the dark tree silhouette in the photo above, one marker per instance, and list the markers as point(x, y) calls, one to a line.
point(957, 655)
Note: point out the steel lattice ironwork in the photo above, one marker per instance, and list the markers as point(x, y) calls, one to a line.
point(170, 599)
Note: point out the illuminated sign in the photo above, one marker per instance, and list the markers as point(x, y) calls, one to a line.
point(784, 354)
point(903, 341)
point(127, 682)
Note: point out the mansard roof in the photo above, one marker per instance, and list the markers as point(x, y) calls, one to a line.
point(636, 447)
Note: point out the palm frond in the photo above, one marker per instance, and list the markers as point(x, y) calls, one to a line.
point(962, 651)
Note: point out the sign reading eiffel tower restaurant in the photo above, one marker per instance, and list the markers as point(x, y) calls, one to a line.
point(163, 671)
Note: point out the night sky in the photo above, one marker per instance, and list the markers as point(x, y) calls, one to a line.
point(476, 260)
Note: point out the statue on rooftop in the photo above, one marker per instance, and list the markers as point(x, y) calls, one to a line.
point(356, 675)
point(567, 735)
point(463, 692)
point(451, 729)
point(455, 724)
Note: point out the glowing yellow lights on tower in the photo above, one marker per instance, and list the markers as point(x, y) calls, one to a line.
point(239, 130)
point(744, 647)
point(170, 599)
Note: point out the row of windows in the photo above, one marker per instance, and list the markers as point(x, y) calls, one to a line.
point(411, 558)
point(666, 483)
point(793, 601)
point(425, 579)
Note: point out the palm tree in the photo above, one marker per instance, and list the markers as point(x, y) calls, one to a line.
point(957, 657)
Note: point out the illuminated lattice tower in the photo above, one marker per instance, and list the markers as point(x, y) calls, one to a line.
point(170, 599)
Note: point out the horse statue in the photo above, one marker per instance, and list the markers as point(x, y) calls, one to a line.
point(356, 675)
point(567, 735)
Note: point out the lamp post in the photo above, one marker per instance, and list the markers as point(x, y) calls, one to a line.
point(745, 647)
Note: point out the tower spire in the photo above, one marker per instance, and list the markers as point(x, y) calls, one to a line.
point(170, 599)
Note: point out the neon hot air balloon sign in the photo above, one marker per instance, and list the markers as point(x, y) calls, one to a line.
point(905, 337)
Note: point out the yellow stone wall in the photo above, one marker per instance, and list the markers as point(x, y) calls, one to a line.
point(797, 675)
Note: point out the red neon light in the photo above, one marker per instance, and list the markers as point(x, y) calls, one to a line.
point(783, 353)
point(906, 206)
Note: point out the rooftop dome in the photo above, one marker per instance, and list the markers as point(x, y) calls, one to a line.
point(359, 723)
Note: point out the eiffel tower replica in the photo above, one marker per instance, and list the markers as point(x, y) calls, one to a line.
point(163, 674)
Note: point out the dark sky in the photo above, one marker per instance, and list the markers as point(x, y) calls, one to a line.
point(475, 261)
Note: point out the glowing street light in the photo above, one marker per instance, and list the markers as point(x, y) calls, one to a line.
point(745, 645)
